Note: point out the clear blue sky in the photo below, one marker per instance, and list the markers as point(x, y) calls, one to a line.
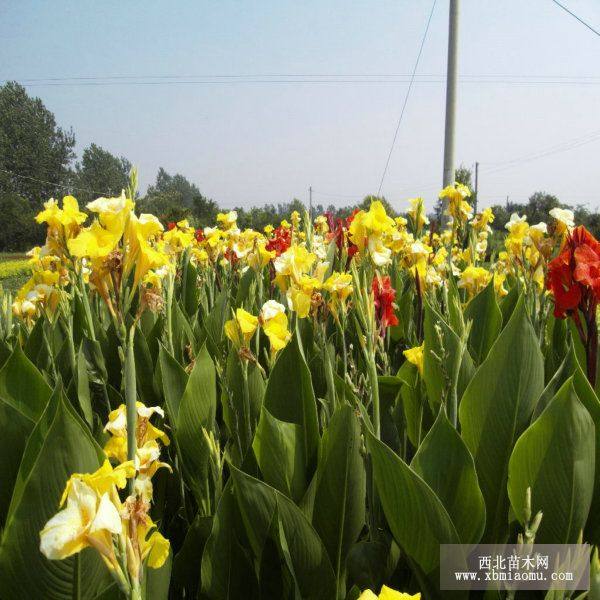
point(250, 143)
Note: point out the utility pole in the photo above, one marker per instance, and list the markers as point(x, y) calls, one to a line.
point(451, 76)
point(310, 211)
point(476, 187)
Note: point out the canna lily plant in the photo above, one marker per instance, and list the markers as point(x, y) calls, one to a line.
point(304, 411)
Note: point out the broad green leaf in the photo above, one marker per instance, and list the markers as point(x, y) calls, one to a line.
point(232, 397)
point(562, 373)
point(59, 445)
point(174, 381)
point(83, 388)
point(508, 304)
point(555, 457)
point(15, 428)
point(289, 396)
point(197, 411)
point(496, 408)
point(446, 465)
point(144, 370)
point(417, 518)
point(279, 450)
point(486, 324)
point(156, 582)
point(262, 507)
point(23, 386)
point(341, 488)
point(557, 346)
point(227, 572)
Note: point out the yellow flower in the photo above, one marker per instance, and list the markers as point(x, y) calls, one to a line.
point(145, 432)
point(458, 207)
point(339, 286)
point(94, 242)
point(474, 279)
point(89, 519)
point(292, 264)
point(564, 220)
point(417, 213)
point(482, 221)
point(366, 224)
point(268, 229)
point(295, 218)
point(227, 220)
point(103, 480)
point(241, 328)
point(300, 295)
point(387, 593)
point(274, 322)
point(415, 357)
point(113, 212)
point(154, 548)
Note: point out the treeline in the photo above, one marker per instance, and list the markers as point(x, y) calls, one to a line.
point(38, 162)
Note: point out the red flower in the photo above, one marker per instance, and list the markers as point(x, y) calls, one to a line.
point(337, 231)
point(171, 225)
point(281, 240)
point(384, 295)
point(199, 235)
point(574, 275)
point(574, 280)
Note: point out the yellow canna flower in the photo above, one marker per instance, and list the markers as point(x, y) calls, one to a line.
point(474, 279)
point(103, 480)
point(227, 220)
point(94, 242)
point(387, 593)
point(339, 286)
point(415, 357)
point(417, 213)
point(274, 322)
point(241, 328)
point(564, 220)
point(89, 519)
point(113, 212)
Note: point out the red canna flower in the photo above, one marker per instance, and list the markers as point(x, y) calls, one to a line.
point(281, 240)
point(199, 235)
point(384, 295)
point(338, 229)
point(574, 281)
point(171, 225)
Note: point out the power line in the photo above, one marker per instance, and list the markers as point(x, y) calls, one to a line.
point(56, 185)
point(412, 78)
point(577, 17)
point(516, 81)
point(544, 154)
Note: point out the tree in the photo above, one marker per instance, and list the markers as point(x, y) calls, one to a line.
point(19, 230)
point(100, 172)
point(177, 187)
point(35, 154)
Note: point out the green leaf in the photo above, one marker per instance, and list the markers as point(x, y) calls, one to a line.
point(144, 370)
point(156, 582)
point(59, 445)
point(261, 507)
point(232, 396)
point(446, 465)
point(341, 485)
point(227, 572)
point(289, 396)
point(496, 408)
point(83, 389)
point(197, 411)
point(174, 381)
point(23, 386)
point(417, 518)
point(279, 450)
point(555, 457)
point(486, 319)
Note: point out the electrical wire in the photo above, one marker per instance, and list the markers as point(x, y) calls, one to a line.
point(577, 17)
point(412, 79)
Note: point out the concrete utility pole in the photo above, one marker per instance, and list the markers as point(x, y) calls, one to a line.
point(451, 77)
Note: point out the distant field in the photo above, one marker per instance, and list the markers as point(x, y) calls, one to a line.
point(14, 271)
